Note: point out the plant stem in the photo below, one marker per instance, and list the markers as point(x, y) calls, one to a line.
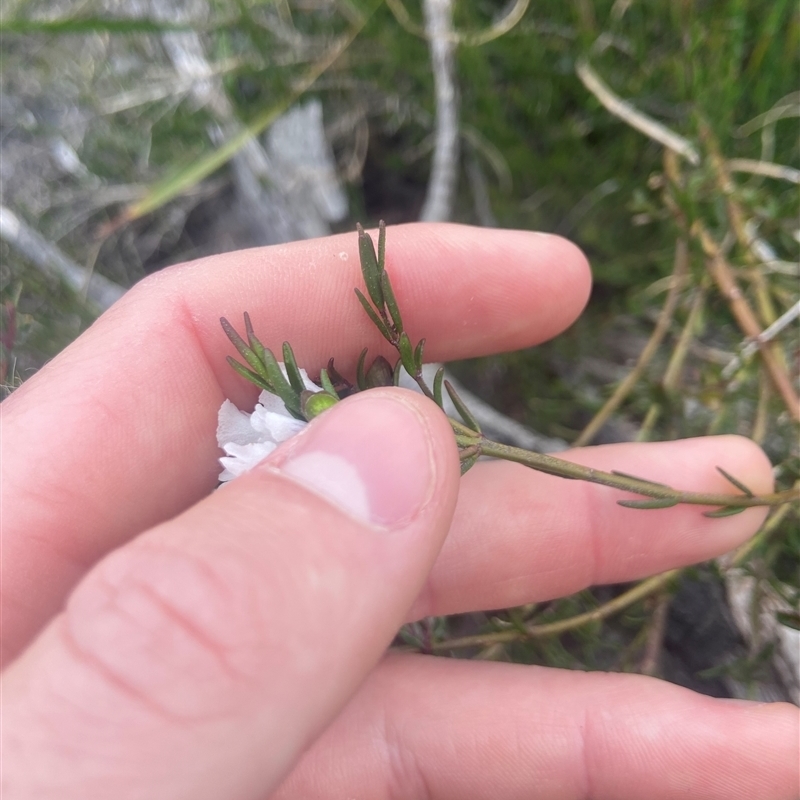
point(655, 634)
point(722, 274)
point(740, 555)
point(624, 388)
point(566, 469)
point(638, 592)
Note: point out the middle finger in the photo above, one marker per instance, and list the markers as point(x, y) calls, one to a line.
point(521, 536)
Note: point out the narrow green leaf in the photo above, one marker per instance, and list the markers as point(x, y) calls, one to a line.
point(282, 387)
point(656, 502)
point(249, 374)
point(248, 328)
point(462, 409)
point(437, 387)
point(246, 352)
point(407, 354)
point(381, 245)
point(231, 333)
point(292, 370)
point(361, 378)
point(468, 451)
point(369, 267)
point(639, 480)
point(255, 344)
point(418, 353)
point(738, 484)
point(327, 383)
point(725, 511)
point(391, 302)
point(468, 456)
point(788, 618)
point(376, 320)
point(398, 366)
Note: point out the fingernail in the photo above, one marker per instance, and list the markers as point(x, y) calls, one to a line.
point(370, 455)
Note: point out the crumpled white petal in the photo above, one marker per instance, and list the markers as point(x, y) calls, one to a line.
point(243, 457)
point(248, 439)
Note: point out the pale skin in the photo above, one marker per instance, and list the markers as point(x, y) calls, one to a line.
point(163, 640)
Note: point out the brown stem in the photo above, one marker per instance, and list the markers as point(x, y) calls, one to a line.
point(736, 215)
point(721, 272)
point(655, 636)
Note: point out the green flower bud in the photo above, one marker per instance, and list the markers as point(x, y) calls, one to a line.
point(314, 403)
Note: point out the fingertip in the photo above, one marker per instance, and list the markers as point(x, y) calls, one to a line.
point(525, 286)
point(744, 460)
point(572, 260)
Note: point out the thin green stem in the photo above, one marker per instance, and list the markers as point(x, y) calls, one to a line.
point(638, 592)
point(772, 523)
point(420, 381)
point(679, 273)
point(675, 365)
point(565, 469)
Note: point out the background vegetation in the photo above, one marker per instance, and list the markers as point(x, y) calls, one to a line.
point(114, 154)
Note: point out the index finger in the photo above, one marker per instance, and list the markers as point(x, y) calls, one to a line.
point(117, 433)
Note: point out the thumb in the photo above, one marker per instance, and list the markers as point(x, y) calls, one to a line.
point(200, 660)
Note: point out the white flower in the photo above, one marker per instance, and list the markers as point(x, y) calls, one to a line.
point(248, 439)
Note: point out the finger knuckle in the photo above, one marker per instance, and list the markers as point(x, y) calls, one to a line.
point(172, 628)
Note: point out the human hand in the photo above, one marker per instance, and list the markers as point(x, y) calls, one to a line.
point(164, 642)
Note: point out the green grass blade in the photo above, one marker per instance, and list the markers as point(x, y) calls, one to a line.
point(190, 175)
point(57, 27)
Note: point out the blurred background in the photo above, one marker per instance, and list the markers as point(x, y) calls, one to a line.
point(660, 136)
